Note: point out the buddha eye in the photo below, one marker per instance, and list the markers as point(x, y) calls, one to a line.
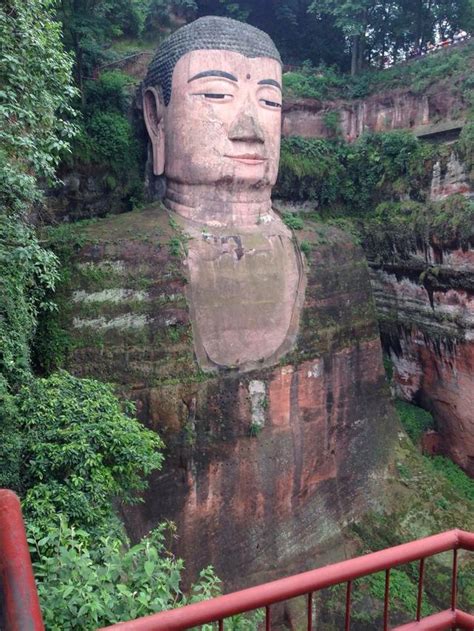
point(272, 104)
point(215, 96)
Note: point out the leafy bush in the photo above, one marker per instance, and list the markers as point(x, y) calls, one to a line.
point(28, 273)
point(414, 419)
point(293, 221)
point(318, 83)
point(356, 176)
point(79, 450)
point(109, 140)
point(34, 132)
point(109, 92)
point(381, 165)
point(461, 481)
point(85, 584)
point(311, 169)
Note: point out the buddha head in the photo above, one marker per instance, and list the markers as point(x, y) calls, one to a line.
point(212, 107)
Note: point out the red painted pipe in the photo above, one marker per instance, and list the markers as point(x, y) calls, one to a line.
point(440, 621)
point(464, 620)
point(20, 605)
point(264, 595)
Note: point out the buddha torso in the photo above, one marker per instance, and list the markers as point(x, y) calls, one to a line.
point(245, 289)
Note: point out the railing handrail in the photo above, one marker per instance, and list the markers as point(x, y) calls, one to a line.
point(261, 596)
point(21, 610)
point(20, 606)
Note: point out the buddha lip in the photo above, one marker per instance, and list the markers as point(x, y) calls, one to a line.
point(248, 156)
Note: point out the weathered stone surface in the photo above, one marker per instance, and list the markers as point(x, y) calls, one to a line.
point(264, 469)
point(428, 328)
point(396, 109)
point(85, 192)
point(453, 180)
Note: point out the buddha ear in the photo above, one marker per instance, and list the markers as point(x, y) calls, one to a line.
point(153, 110)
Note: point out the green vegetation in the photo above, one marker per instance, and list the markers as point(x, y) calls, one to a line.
point(321, 82)
point(328, 83)
point(80, 449)
point(311, 169)
point(414, 419)
point(85, 584)
point(406, 224)
point(293, 221)
point(351, 179)
point(378, 186)
point(463, 484)
point(34, 133)
point(106, 137)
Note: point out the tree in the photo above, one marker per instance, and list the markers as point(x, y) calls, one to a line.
point(90, 25)
point(298, 35)
point(36, 96)
point(354, 17)
point(35, 112)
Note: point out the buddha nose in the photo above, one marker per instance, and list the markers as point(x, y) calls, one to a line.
point(246, 128)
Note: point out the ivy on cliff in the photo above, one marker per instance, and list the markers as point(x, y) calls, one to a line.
point(353, 178)
point(36, 95)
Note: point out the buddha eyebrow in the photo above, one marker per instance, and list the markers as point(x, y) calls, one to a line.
point(213, 73)
point(270, 82)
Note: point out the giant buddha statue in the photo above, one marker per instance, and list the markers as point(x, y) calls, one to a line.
point(212, 107)
point(259, 365)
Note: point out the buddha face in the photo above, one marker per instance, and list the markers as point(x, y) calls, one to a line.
point(222, 124)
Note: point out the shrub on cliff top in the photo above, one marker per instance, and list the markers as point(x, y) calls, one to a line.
point(314, 83)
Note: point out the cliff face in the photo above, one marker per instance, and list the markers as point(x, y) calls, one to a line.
point(265, 468)
point(86, 192)
point(397, 109)
point(424, 297)
point(428, 330)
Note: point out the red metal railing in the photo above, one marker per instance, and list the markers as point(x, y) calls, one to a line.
point(21, 612)
point(263, 596)
point(19, 608)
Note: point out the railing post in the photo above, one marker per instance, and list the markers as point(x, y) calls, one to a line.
point(20, 605)
point(347, 623)
point(421, 575)
point(310, 611)
point(386, 600)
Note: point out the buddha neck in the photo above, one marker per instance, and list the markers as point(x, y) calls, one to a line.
point(219, 205)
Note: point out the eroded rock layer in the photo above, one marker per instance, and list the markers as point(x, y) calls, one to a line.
point(265, 468)
point(426, 309)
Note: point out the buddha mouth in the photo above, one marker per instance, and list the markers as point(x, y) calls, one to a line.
point(248, 158)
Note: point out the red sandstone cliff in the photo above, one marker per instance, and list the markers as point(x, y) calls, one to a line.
point(264, 469)
point(397, 109)
point(429, 333)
